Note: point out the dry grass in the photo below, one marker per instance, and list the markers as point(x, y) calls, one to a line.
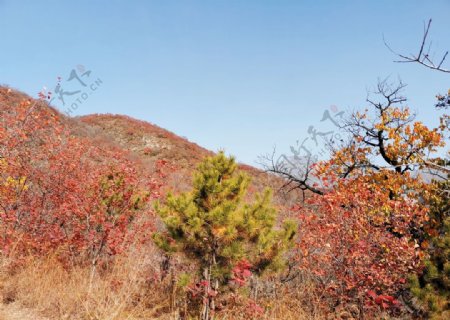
point(297, 303)
point(122, 292)
point(43, 289)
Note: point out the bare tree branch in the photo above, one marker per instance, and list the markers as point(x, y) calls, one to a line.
point(422, 57)
point(296, 171)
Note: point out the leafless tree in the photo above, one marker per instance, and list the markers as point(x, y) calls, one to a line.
point(423, 56)
point(296, 170)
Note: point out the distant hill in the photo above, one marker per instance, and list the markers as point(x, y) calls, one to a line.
point(145, 143)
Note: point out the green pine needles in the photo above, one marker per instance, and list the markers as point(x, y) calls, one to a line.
point(433, 286)
point(214, 225)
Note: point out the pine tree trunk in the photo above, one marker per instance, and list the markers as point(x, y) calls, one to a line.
point(215, 285)
point(212, 285)
point(206, 306)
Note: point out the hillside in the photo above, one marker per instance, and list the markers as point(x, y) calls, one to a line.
point(71, 196)
point(94, 213)
point(144, 142)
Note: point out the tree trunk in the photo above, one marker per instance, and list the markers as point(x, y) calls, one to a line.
point(206, 303)
point(212, 285)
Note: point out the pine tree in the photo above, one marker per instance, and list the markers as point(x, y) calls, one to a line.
point(432, 288)
point(214, 225)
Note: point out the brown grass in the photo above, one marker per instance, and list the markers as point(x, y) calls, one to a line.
point(43, 289)
point(120, 292)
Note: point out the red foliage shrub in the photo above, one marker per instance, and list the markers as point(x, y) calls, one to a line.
point(241, 272)
point(357, 238)
point(62, 193)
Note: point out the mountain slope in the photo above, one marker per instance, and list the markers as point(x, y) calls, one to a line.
point(145, 143)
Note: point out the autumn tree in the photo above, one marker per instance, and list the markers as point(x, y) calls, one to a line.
point(214, 225)
point(355, 239)
point(363, 223)
point(432, 285)
point(367, 222)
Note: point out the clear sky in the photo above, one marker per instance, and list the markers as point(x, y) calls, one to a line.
point(238, 75)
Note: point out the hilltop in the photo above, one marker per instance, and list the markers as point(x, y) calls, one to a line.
point(144, 142)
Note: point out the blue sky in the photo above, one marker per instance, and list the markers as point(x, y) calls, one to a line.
point(238, 75)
